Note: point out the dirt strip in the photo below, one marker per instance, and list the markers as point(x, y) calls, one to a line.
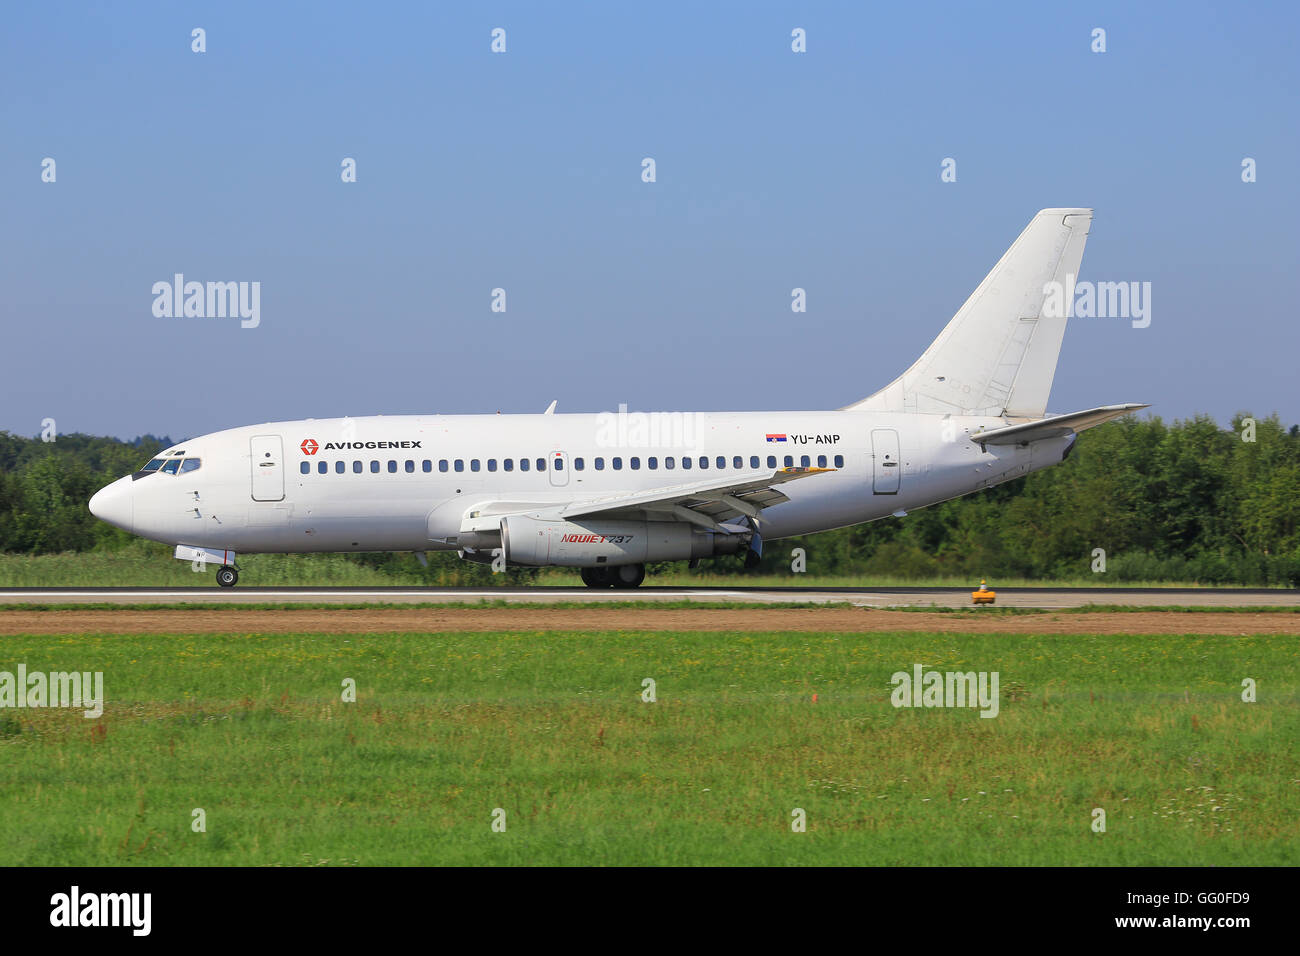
point(835, 620)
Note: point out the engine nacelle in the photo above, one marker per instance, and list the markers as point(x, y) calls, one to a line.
point(594, 543)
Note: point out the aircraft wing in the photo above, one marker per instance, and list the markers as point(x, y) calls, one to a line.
point(1054, 427)
point(706, 503)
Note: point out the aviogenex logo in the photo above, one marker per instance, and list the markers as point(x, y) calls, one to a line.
point(345, 445)
point(309, 446)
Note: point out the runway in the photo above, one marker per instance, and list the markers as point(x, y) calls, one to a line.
point(912, 597)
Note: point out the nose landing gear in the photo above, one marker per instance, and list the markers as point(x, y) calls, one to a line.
point(227, 576)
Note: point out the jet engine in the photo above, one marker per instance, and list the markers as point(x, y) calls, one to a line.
point(596, 543)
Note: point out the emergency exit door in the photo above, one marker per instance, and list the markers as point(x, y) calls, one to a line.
point(886, 466)
point(266, 454)
point(559, 468)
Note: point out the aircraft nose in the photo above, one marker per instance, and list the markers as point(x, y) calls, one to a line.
point(114, 503)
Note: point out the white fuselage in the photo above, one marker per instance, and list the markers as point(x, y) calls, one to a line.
point(379, 484)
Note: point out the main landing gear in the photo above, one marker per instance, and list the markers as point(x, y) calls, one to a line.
point(623, 576)
point(227, 576)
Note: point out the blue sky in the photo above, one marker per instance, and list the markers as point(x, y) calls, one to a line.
point(522, 171)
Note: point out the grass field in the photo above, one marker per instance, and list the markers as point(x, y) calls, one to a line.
point(551, 728)
point(146, 564)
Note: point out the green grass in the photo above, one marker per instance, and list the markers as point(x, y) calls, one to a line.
point(147, 564)
point(551, 728)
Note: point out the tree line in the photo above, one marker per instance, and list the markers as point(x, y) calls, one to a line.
point(1139, 498)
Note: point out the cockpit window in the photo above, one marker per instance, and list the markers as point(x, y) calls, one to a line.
point(191, 464)
point(170, 466)
point(153, 465)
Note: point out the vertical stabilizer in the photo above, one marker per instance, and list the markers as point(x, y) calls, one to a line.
point(998, 354)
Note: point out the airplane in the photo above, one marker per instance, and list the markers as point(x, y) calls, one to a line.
point(607, 493)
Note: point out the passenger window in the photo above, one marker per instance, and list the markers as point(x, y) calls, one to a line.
point(721, 462)
point(171, 466)
point(805, 462)
point(392, 467)
point(374, 467)
point(474, 464)
point(578, 464)
point(356, 467)
point(340, 467)
point(686, 462)
point(443, 464)
point(410, 467)
point(541, 464)
point(669, 463)
point(618, 464)
point(652, 463)
point(190, 464)
point(821, 461)
point(771, 461)
point(322, 467)
point(753, 461)
point(426, 466)
point(460, 464)
point(492, 464)
point(523, 464)
point(839, 461)
point(739, 463)
point(508, 464)
point(600, 464)
point(789, 461)
point(305, 468)
point(557, 464)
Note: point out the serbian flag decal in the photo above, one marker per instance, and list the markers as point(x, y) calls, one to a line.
point(772, 437)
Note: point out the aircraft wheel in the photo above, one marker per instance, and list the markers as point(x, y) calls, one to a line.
point(596, 577)
point(227, 576)
point(628, 575)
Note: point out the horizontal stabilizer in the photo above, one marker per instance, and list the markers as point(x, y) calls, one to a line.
point(1053, 427)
